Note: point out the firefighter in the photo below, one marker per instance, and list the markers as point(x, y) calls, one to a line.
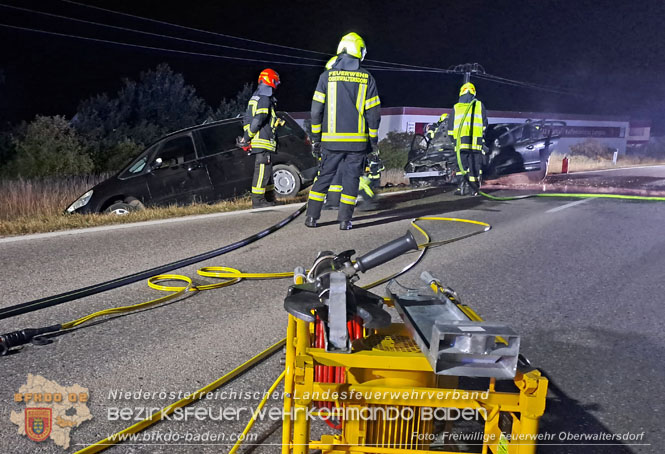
point(260, 124)
point(345, 118)
point(467, 129)
point(438, 127)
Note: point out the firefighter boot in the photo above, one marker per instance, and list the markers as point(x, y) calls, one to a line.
point(345, 225)
point(261, 202)
point(310, 222)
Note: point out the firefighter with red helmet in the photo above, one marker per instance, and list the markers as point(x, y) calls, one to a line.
point(260, 123)
point(345, 119)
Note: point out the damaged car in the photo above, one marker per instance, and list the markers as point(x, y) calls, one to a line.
point(510, 148)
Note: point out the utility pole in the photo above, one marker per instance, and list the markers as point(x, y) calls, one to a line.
point(467, 69)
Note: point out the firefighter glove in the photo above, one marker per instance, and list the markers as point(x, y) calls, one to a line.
point(316, 149)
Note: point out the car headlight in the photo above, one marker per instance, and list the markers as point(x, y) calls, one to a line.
point(80, 202)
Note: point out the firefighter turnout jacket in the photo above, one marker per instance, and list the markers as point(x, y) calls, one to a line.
point(261, 121)
point(469, 123)
point(346, 107)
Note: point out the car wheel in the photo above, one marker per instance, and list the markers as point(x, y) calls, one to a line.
point(286, 179)
point(136, 203)
point(539, 175)
point(126, 207)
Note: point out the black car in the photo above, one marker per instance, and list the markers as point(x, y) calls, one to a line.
point(201, 164)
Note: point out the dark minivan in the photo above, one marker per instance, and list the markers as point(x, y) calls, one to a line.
point(203, 164)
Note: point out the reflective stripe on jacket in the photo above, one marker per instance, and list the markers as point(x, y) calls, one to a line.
point(260, 121)
point(469, 122)
point(346, 108)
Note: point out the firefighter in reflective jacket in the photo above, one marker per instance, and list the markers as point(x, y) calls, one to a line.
point(259, 124)
point(345, 118)
point(467, 130)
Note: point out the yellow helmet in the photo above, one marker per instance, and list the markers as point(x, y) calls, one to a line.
point(467, 88)
point(353, 44)
point(443, 117)
point(331, 62)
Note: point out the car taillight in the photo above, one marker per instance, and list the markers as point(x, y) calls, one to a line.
point(307, 141)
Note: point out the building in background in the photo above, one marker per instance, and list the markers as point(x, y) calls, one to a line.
point(616, 133)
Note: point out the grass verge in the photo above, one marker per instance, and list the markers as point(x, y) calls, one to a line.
point(23, 225)
point(36, 206)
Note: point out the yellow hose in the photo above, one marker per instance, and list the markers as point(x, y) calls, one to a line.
point(197, 395)
point(251, 422)
point(232, 276)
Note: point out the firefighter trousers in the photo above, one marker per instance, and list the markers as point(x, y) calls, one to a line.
point(350, 166)
point(472, 167)
point(263, 188)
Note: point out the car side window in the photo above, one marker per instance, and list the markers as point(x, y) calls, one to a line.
point(220, 138)
point(176, 151)
point(287, 129)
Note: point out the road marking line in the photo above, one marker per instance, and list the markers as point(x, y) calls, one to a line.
point(102, 228)
point(610, 170)
point(568, 205)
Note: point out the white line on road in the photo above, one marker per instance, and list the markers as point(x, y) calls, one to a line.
point(103, 228)
point(568, 205)
point(616, 169)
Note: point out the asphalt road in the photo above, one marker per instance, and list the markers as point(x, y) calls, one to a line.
point(649, 178)
point(583, 284)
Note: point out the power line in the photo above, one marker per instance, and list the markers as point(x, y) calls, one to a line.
point(396, 67)
point(183, 52)
point(189, 28)
point(517, 83)
point(155, 34)
point(161, 49)
point(170, 24)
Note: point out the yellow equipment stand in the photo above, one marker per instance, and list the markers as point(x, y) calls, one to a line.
point(387, 370)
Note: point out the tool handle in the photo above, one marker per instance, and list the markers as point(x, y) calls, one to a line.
point(387, 252)
point(23, 336)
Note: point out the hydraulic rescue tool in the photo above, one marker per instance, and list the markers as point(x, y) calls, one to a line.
point(389, 387)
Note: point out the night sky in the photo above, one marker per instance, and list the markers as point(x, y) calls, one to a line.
point(612, 53)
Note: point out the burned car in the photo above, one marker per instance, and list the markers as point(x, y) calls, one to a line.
point(201, 164)
point(511, 148)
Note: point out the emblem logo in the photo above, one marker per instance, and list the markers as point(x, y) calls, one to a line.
point(38, 423)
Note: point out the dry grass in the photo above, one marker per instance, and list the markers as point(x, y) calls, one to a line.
point(50, 223)
point(47, 197)
point(36, 206)
point(582, 163)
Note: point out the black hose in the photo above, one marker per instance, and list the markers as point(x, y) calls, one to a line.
point(43, 303)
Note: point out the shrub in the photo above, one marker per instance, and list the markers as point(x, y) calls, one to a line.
point(395, 149)
point(49, 147)
point(231, 108)
point(142, 112)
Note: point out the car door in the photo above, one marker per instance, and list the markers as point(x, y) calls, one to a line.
point(229, 167)
point(177, 176)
